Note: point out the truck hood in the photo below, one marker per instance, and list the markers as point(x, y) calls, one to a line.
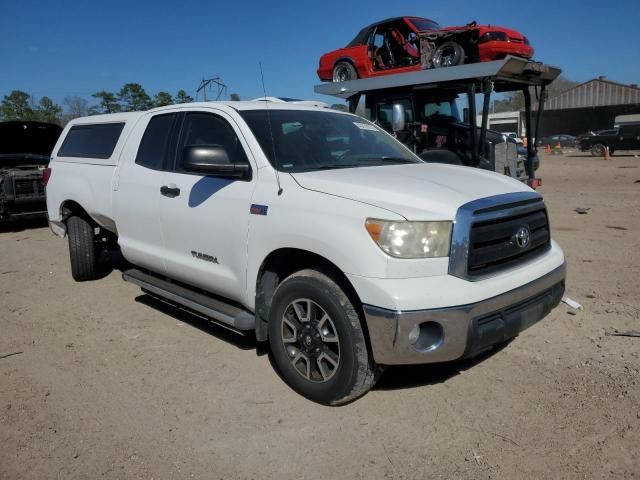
point(421, 191)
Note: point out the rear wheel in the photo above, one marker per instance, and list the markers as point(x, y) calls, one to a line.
point(344, 71)
point(598, 150)
point(449, 54)
point(82, 249)
point(317, 341)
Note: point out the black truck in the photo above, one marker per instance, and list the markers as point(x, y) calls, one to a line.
point(25, 148)
point(624, 137)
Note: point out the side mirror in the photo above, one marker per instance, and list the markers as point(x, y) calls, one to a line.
point(212, 160)
point(397, 117)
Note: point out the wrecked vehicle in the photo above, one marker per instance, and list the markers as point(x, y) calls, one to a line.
point(407, 44)
point(25, 148)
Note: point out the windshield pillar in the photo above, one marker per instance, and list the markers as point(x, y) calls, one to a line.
point(528, 125)
point(471, 98)
point(487, 88)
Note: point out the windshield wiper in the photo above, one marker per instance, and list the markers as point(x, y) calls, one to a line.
point(396, 159)
point(324, 167)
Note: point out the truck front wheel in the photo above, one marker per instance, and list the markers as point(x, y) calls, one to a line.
point(82, 249)
point(317, 340)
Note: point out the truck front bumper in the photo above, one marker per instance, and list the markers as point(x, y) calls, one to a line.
point(444, 334)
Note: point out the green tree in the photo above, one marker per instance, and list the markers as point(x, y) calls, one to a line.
point(133, 98)
point(561, 84)
point(17, 106)
point(234, 97)
point(48, 111)
point(108, 103)
point(339, 106)
point(182, 97)
point(162, 99)
point(512, 102)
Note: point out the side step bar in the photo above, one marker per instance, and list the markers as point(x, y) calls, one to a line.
point(219, 310)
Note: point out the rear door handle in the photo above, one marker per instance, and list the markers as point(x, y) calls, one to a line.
point(169, 191)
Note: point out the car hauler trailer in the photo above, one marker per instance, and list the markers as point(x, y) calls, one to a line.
point(420, 108)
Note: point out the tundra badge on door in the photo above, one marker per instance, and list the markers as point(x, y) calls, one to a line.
point(204, 256)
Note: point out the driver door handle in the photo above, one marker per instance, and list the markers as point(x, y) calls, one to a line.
point(168, 191)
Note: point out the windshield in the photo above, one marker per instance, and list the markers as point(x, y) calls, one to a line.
point(303, 140)
point(446, 109)
point(424, 24)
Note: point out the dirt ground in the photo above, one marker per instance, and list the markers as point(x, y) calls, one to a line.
point(110, 383)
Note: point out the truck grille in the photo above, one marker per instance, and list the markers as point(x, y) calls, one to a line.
point(493, 245)
point(23, 188)
point(496, 233)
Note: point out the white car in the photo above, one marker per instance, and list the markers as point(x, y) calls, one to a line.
point(314, 228)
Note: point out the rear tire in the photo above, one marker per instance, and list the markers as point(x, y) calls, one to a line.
point(449, 54)
point(317, 340)
point(344, 71)
point(82, 249)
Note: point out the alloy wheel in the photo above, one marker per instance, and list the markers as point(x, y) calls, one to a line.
point(310, 340)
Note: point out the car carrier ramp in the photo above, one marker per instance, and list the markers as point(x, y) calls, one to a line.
point(508, 74)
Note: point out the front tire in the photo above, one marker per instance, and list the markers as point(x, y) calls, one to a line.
point(597, 150)
point(82, 249)
point(344, 71)
point(449, 54)
point(317, 340)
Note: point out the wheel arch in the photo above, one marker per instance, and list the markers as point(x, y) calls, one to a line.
point(348, 59)
point(345, 58)
point(69, 208)
point(281, 263)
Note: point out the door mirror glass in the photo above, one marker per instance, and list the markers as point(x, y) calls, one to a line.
point(212, 160)
point(397, 121)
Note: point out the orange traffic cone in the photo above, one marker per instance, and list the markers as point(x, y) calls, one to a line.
point(606, 153)
point(548, 149)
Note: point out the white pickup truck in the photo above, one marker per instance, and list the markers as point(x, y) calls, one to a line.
point(314, 229)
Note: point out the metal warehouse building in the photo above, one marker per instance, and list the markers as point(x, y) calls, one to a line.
point(590, 106)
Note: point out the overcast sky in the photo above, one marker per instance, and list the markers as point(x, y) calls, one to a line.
point(69, 47)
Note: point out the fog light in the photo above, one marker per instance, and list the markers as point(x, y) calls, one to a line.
point(414, 334)
point(426, 336)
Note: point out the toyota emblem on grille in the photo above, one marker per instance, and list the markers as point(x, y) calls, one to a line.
point(522, 237)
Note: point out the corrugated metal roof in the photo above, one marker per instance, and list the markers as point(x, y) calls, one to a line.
point(594, 93)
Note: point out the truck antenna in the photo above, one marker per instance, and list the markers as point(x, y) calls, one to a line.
point(273, 145)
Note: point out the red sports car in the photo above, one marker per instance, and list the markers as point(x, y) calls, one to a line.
point(405, 44)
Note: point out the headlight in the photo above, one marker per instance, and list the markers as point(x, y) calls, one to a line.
point(411, 239)
point(494, 37)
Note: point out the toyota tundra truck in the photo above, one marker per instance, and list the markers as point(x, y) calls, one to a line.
point(312, 229)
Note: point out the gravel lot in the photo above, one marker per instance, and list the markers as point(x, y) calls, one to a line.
point(111, 383)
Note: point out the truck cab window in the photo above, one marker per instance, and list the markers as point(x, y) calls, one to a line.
point(153, 146)
point(438, 108)
point(208, 129)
